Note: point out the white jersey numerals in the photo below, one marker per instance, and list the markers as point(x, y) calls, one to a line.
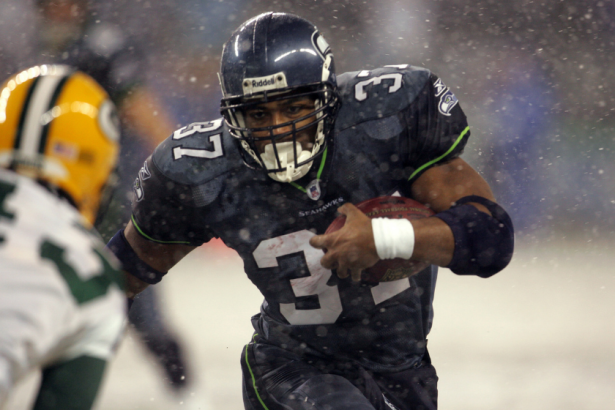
point(266, 255)
point(200, 127)
point(179, 152)
point(82, 289)
point(5, 190)
point(396, 79)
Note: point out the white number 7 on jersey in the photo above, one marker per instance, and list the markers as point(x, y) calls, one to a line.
point(200, 127)
point(180, 151)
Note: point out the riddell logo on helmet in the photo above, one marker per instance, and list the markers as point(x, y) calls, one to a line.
point(260, 84)
point(263, 83)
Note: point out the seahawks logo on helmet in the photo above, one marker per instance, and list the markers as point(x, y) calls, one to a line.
point(320, 45)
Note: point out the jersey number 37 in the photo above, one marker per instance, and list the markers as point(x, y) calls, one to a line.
point(269, 250)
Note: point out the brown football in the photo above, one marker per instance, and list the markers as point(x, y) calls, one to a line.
point(389, 207)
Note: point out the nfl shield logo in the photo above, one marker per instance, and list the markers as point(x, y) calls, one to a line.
point(313, 190)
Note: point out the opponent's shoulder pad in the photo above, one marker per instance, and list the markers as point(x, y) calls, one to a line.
point(379, 93)
point(197, 153)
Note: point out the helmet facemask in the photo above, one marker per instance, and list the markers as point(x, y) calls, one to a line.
point(285, 155)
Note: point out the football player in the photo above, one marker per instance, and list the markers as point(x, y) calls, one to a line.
point(62, 301)
point(103, 51)
point(295, 144)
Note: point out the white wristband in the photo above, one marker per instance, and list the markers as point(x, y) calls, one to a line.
point(394, 238)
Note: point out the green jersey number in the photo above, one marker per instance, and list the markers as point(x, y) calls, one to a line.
point(83, 290)
point(5, 190)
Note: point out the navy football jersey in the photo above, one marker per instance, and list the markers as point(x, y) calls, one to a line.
point(394, 123)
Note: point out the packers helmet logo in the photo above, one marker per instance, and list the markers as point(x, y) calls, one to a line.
point(109, 121)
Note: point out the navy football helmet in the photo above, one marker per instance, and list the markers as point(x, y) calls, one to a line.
point(273, 57)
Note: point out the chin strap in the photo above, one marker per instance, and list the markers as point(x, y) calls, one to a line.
point(286, 157)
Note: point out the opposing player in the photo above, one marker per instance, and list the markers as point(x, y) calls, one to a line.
point(70, 33)
point(62, 304)
point(296, 142)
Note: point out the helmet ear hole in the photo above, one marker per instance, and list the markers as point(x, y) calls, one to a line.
point(249, 76)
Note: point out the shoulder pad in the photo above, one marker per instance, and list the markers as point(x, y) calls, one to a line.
point(198, 153)
point(372, 94)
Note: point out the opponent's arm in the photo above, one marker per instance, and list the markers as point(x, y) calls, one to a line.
point(144, 261)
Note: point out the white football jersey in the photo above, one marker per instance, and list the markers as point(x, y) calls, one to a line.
point(60, 290)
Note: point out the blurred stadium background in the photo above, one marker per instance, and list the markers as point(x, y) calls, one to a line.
point(536, 82)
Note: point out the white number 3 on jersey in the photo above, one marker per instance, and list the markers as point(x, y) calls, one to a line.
point(200, 127)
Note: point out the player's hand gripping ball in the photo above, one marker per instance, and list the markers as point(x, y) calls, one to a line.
point(388, 270)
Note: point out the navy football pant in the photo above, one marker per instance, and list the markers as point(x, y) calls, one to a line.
point(276, 379)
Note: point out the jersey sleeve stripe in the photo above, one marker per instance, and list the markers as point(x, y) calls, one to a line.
point(322, 163)
point(433, 161)
point(146, 236)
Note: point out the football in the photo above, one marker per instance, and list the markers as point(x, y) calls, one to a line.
point(389, 207)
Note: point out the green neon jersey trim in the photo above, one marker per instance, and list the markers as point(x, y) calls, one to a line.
point(132, 217)
point(463, 133)
point(322, 163)
point(254, 381)
point(299, 187)
point(322, 166)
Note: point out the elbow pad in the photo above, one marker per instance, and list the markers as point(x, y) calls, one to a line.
point(484, 244)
